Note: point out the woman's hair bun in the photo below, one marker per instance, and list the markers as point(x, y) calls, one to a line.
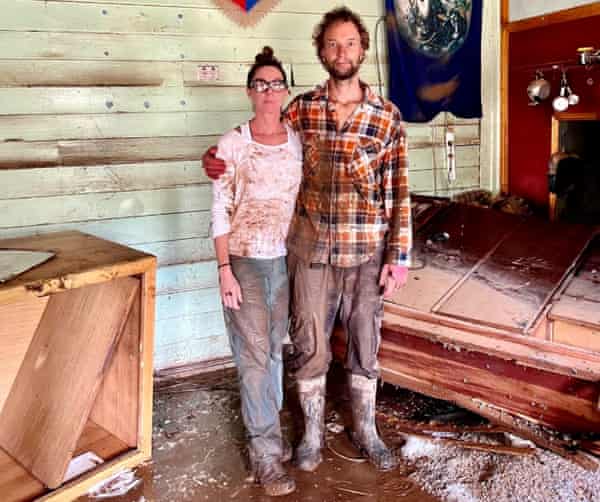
point(264, 56)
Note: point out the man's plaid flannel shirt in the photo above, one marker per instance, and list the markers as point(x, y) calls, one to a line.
point(354, 197)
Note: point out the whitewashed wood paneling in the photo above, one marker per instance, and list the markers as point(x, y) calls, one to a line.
point(106, 91)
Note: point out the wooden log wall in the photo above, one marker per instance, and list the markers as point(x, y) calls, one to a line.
point(103, 121)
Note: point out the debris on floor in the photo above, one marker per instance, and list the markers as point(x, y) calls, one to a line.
point(118, 484)
point(447, 454)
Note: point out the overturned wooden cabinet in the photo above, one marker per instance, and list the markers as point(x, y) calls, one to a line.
point(501, 315)
point(76, 339)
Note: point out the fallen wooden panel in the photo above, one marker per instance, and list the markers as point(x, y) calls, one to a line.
point(509, 288)
point(524, 351)
point(441, 263)
point(564, 403)
point(60, 375)
point(15, 262)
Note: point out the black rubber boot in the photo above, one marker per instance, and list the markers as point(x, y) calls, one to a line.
point(365, 436)
point(311, 394)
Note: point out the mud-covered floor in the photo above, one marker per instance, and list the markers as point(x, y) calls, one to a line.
point(199, 453)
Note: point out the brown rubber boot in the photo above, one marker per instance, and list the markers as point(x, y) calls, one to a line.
point(270, 474)
point(365, 436)
point(311, 394)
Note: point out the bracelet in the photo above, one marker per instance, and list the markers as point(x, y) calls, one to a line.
point(223, 265)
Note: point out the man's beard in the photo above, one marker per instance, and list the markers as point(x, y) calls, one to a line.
point(336, 74)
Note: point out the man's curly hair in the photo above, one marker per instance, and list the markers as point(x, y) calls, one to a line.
point(344, 15)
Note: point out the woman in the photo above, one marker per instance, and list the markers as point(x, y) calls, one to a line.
point(252, 208)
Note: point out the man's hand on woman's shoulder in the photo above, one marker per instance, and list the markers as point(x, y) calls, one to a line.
point(213, 167)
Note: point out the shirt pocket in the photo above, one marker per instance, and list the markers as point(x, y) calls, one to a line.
point(364, 168)
point(311, 154)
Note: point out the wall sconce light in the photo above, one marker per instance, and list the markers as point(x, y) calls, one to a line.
point(588, 55)
point(538, 89)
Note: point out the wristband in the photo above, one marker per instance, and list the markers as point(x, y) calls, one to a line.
point(223, 265)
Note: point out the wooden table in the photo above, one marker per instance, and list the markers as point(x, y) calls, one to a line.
point(76, 341)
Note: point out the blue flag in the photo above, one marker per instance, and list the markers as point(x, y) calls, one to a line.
point(434, 52)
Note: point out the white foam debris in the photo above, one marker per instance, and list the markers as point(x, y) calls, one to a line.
point(416, 447)
point(459, 492)
point(116, 485)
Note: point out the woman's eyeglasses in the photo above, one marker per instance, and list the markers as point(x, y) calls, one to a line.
point(260, 85)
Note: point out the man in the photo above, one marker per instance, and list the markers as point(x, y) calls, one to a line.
point(350, 237)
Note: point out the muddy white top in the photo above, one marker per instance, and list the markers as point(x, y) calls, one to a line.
point(253, 201)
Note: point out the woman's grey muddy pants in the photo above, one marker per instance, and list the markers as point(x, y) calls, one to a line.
point(256, 333)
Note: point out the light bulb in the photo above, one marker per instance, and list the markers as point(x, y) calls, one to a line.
point(573, 99)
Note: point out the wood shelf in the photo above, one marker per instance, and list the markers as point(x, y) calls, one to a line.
point(76, 337)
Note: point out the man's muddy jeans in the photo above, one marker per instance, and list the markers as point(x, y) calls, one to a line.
point(256, 333)
point(317, 293)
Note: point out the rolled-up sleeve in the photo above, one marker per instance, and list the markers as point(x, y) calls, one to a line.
point(224, 190)
point(396, 197)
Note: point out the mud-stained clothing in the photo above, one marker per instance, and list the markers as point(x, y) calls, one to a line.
point(354, 195)
point(351, 217)
point(256, 332)
point(253, 201)
point(319, 292)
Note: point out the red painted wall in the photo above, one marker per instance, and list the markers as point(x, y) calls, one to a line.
point(529, 135)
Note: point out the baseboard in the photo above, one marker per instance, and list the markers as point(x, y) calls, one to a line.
point(194, 368)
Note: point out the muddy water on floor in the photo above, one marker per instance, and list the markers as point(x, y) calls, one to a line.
point(199, 452)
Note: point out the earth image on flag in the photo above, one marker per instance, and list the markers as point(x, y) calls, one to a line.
point(435, 28)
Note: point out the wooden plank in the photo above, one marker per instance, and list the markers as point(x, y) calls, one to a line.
point(576, 311)
point(586, 288)
point(116, 406)
point(101, 151)
point(81, 208)
point(129, 125)
point(137, 232)
point(18, 322)
point(14, 73)
point(181, 330)
point(539, 396)
point(16, 484)
point(576, 335)
point(511, 286)
point(187, 277)
point(81, 260)
point(74, 46)
point(188, 303)
point(26, 15)
point(69, 341)
point(98, 440)
point(425, 287)
point(30, 183)
point(472, 233)
point(527, 351)
point(180, 251)
point(193, 350)
point(146, 388)
point(81, 100)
